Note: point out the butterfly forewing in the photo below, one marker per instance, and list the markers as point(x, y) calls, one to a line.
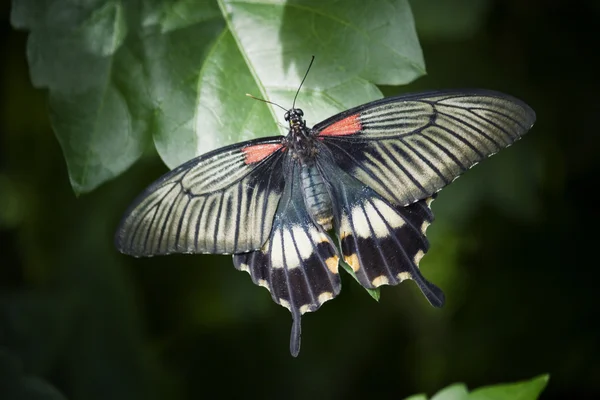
point(221, 202)
point(409, 147)
point(299, 263)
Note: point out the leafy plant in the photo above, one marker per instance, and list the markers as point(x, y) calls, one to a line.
point(525, 390)
point(122, 75)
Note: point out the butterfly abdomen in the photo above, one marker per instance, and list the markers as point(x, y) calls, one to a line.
point(316, 196)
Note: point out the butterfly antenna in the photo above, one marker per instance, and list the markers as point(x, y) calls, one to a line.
point(303, 79)
point(266, 101)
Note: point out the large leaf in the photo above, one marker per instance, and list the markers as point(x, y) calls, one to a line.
point(120, 74)
point(72, 51)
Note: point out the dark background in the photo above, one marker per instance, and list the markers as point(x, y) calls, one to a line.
point(514, 246)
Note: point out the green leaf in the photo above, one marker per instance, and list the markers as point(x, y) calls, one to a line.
point(457, 391)
point(176, 62)
point(374, 293)
point(122, 75)
point(417, 397)
point(98, 110)
point(524, 390)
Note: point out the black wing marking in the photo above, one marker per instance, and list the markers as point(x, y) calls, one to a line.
point(298, 264)
point(382, 243)
point(221, 202)
point(408, 147)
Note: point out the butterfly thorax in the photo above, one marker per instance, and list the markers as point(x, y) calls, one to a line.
point(300, 140)
point(303, 147)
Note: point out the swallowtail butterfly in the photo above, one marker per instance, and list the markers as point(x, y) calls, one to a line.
point(363, 178)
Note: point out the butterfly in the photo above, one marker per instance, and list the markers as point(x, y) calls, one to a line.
point(355, 187)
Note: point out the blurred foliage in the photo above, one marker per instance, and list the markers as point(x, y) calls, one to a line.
point(512, 245)
point(440, 20)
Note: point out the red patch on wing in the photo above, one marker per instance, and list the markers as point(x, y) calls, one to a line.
point(348, 126)
point(259, 152)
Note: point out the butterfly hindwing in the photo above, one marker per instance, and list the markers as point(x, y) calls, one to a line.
point(298, 264)
point(407, 148)
point(383, 243)
point(221, 202)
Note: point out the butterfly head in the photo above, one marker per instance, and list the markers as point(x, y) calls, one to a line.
point(295, 118)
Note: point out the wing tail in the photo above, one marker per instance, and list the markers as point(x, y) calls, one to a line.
point(298, 264)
